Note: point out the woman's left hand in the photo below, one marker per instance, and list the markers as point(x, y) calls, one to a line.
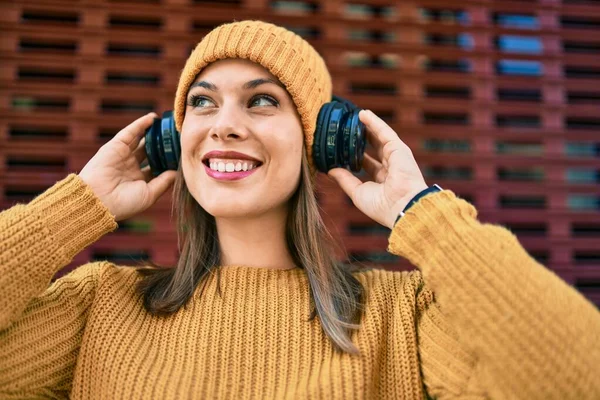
point(397, 177)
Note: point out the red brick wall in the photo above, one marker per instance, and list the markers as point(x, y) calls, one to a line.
point(525, 149)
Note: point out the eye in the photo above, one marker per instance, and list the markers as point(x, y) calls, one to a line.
point(263, 100)
point(199, 101)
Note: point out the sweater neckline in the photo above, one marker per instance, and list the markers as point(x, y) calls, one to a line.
point(261, 270)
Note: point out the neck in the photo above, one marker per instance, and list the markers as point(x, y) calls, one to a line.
point(257, 241)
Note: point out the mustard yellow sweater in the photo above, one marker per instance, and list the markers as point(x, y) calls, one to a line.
point(499, 326)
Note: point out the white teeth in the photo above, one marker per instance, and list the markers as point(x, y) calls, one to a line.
point(231, 167)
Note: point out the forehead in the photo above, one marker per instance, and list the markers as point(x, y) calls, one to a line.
point(234, 70)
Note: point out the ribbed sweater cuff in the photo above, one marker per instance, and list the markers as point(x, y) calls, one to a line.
point(431, 220)
point(73, 214)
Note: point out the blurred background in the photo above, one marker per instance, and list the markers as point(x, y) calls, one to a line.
point(499, 101)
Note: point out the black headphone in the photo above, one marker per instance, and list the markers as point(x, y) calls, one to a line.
point(339, 139)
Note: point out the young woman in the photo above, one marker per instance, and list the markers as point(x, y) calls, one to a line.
point(257, 306)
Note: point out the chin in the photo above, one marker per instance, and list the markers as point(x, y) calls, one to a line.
point(224, 211)
point(232, 207)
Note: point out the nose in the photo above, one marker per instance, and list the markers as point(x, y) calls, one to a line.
point(229, 123)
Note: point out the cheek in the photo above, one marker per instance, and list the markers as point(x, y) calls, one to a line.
point(190, 165)
point(186, 135)
point(190, 139)
point(285, 170)
point(286, 156)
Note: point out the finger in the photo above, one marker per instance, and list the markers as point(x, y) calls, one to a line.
point(147, 172)
point(374, 153)
point(381, 131)
point(160, 184)
point(132, 133)
point(345, 179)
point(374, 144)
point(140, 152)
point(374, 168)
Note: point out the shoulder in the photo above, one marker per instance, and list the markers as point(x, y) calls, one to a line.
point(91, 271)
point(100, 272)
point(84, 279)
point(392, 287)
point(380, 278)
point(117, 272)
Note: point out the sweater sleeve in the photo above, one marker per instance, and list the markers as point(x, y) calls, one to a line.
point(40, 238)
point(41, 324)
point(502, 325)
point(447, 364)
point(38, 352)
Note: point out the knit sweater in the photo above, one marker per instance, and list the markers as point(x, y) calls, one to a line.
point(478, 319)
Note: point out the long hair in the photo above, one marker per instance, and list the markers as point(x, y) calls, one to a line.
point(337, 296)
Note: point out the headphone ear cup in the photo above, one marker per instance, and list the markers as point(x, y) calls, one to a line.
point(320, 139)
point(357, 141)
point(176, 142)
point(339, 136)
point(169, 144)
point(163, 148)
point(152, 152)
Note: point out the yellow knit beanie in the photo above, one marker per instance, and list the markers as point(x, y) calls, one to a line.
point(283, 53)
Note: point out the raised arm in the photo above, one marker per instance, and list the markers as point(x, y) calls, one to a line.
point(523, 331)
point(42, 237)
point(529, 335)
point(41, 326)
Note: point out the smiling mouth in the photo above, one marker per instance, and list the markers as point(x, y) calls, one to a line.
point(230, 175)
point(255, 163)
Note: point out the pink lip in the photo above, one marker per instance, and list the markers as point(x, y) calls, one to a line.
point(228, 176)
point(227, 154)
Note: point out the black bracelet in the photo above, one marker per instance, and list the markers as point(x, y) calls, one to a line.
point(422, 193)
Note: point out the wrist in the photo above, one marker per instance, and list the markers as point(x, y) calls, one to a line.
point(401, 204)
point(413, 199)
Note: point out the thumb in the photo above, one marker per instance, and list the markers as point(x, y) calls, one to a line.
point(160, 184)
point(345, 179)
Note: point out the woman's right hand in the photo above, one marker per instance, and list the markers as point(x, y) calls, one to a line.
point(115, 176)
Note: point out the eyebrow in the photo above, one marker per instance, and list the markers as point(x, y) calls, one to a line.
point(205, 85)
point(261, 81)
point(248, 85)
